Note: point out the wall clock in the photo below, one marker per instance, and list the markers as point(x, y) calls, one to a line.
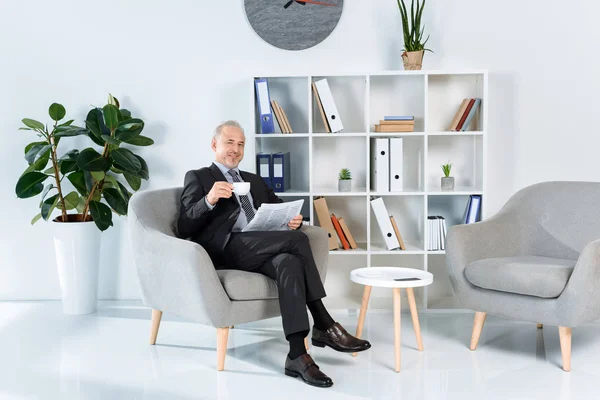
point(293, 24)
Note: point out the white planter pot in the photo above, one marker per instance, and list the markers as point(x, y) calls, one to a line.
point(77, 246)
point(344, 185)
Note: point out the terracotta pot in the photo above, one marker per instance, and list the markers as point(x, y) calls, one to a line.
point(413, 60)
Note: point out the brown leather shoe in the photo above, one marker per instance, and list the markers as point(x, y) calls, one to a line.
point(305, 368)
point(338, 339)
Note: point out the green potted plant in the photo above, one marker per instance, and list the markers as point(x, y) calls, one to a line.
point(447, 180)
point(414, 45)
point(94, 177)
point(345, 180)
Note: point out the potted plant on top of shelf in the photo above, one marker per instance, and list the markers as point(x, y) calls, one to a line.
point(344, 180)
point(414, 46)
point(93, 176)
point(447, 180)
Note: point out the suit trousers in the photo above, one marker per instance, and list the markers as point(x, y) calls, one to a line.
point(286, 257)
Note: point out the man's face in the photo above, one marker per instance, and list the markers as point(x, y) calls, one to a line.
point(229, 146)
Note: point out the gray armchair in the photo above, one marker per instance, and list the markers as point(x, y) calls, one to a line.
point(537, 260)
point(178, 276)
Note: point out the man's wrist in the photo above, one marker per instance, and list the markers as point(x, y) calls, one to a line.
point(208, 203)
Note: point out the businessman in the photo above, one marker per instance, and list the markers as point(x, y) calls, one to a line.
point(213, 216)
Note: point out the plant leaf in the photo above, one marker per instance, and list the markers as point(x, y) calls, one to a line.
point(124, 192)
point(34, 150)
point(81, 204)
point(30, 184)
point(111, 140)
point(143, 172)
point(48, 205)
point(57, 111)
point(115, 200)
point(36, 219)
point(134, 181)
point(95, 124)
point(126, 160)
point(68, 166)
point(45, 192)
point(129, 129)
point(90, 160)
point(65, 131)
point(111, 117)
point(33, 124)
point(71, 200)
point(125, 114)
point(78, 181)
point(42, 159)
point(101, 214)
point(98, 175)
point(141, 141)
point(113, 100)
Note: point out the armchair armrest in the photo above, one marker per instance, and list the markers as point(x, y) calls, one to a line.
point(499, 236)
point(176, 275)
point(319, 244)
point(580, 301)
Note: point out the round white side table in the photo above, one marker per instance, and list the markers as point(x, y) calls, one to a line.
point(395, 278)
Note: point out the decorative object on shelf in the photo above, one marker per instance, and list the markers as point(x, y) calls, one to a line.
point(345, 180)
point(414, 46)
point(294, 24)
point(447, 180)
point(465, 114)
point(94, 177)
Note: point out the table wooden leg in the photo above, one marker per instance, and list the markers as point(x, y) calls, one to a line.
point(410, 293)
point(397, 327)
point(363, 312)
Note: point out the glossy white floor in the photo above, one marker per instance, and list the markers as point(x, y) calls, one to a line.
point(46, 355)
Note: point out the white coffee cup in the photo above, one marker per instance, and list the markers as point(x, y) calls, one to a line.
point(241, 188)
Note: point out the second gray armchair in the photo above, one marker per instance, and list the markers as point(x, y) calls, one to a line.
point(537, 260)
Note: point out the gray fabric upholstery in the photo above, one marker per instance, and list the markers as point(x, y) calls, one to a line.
point(530, 275)
point(177, 275)
point(242, 285)
point(551, 219)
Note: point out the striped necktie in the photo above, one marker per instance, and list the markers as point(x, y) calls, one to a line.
point(248, 209)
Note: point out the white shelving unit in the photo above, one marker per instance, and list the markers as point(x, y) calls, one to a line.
point(433, 97)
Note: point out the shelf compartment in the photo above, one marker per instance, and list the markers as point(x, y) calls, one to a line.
point(408, 212)
point(397, 95)
point(349, 94)
point(353, 210)
point(291, 93)
point(413, 164)
point(445, 94)
point(465, 153)
point(331, 154)
point(299, 159)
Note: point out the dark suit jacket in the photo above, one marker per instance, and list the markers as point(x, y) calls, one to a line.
point(212, 228)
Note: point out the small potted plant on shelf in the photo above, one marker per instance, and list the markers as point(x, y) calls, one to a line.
point(414, 46)
point(447, 180)
point(345, 180)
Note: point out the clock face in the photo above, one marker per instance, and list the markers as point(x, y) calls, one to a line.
point(293, 24)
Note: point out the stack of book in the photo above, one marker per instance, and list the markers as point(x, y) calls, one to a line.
point(396, 123)
point(281, 117)
point(465, 114)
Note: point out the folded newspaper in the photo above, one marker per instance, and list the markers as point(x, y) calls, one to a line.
point(274, 216)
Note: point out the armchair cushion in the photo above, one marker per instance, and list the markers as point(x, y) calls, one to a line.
point(544, 277)
point(243, 285)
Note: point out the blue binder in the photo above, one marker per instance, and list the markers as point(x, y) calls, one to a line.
point(261, 87)
point(281, 172)
point(264, 167)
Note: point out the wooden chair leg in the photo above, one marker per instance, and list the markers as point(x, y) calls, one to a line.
point(306, 343)
point(477, 327)
point(565, 346)
point(222, 335)
point(156, 316)
point(540, 326)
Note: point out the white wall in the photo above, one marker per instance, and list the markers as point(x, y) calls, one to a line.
point(183, 66)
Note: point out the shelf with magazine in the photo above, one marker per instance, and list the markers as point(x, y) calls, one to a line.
point(382, 297)
point(397, 103)
point(344, 94)
point(288, 106)
point(464, 153)
point(455, 102)
point(403, 224)
point(344, 219)
point(333, 153)
point(298, 149)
